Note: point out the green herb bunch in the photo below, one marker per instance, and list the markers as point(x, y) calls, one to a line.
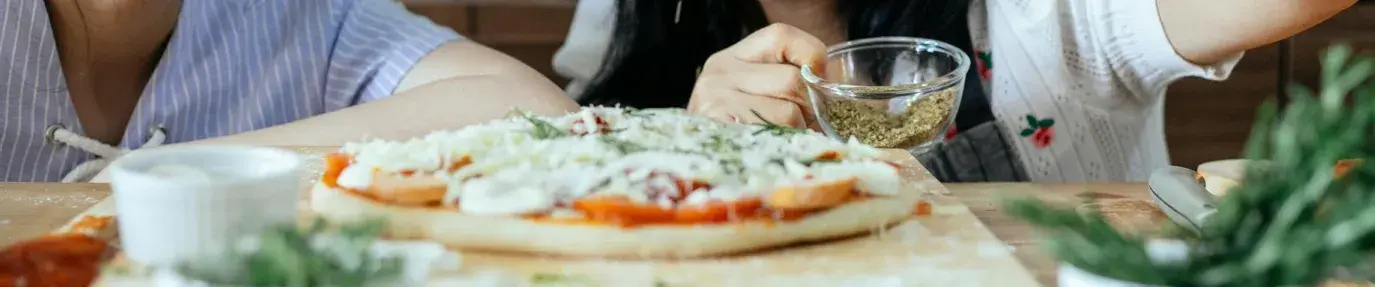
point(295, 257)
point(1290, 223)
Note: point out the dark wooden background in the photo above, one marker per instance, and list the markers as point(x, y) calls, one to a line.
point(1204, 120)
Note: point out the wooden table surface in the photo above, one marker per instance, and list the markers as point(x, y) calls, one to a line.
point(31, 209)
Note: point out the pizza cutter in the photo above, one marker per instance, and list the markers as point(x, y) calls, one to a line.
point(1181, 196)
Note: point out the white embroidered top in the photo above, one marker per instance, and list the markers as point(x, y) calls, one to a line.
point(1078, 84)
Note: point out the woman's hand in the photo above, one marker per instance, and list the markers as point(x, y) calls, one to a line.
point(759, 74)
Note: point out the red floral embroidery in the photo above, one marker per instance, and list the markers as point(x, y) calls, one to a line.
point(1041, 138)
point(984, 62)
point(1041, 132)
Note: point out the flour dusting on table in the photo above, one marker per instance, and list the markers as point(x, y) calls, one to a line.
point(994, 249)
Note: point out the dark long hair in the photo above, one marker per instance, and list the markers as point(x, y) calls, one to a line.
point(653, 61)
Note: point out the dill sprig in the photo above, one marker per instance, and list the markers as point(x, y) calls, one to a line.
point(625, 147)
point(640, 113)
point(775, 129)
point(541, 129)
point(1290, 223)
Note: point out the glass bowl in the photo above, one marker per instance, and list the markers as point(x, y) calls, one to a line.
point(888, 92)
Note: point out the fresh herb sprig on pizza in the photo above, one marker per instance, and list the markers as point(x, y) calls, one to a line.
point(616, 175)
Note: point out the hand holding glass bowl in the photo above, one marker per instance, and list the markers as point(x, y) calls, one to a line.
point(889, 92)
point(755, 80)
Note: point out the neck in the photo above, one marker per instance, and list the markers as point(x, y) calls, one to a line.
point(122, 34)
point(108, 50)
point(816, 17)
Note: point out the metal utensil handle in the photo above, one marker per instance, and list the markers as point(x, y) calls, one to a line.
point(1182, 197)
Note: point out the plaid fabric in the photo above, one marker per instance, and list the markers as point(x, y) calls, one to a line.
point(979, 154)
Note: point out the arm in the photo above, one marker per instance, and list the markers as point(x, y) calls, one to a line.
point(1209, 31)
point(458, 84)
point(396, 75)
point(437, 94)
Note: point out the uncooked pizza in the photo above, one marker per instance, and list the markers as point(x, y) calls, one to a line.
point(613, 182)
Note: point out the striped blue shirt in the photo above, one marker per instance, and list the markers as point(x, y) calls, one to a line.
point(230, 66)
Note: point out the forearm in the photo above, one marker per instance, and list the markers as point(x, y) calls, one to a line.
point(457, 84)
point(1206, 32)
point(444, 104)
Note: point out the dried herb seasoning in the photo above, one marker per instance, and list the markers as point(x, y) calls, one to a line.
point(918, 121)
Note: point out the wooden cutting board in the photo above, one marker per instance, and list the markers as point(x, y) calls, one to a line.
point(948, 248)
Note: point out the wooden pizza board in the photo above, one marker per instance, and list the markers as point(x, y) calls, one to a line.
point(947, 248)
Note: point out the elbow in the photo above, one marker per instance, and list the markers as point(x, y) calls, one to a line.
point(1330, 8)
point(1304, 14)
point(1207, 33)
point(462, 59)
point(486, 78)
point(543, 96)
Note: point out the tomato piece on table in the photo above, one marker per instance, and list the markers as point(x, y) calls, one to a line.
point(91, 224)
point(334, 165)
point(53, 260)
point(621, 211)
point(893, 164)
point(922, 208)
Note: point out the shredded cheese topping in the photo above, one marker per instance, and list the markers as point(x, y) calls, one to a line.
point(528, 163)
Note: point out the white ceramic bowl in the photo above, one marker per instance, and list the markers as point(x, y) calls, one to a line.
point(180, 202)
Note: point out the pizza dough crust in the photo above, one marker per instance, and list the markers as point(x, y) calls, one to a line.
point(521, 235)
